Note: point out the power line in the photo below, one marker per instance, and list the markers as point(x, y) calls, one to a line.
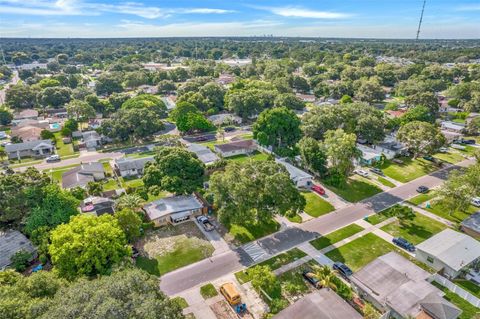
point(421, 19)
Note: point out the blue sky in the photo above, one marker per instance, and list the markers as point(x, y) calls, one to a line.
point(320, 18)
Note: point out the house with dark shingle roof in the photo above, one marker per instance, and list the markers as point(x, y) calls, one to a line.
point(131, 167)
point(12, 241)
point(81, 175)
point(236, 148)
point(36, 149)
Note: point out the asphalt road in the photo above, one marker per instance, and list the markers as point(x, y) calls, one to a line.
point(223, 264)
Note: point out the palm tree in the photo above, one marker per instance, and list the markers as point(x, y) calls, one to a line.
point(130, 201)
point(325, 277)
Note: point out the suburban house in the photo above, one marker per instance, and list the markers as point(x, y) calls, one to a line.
point(236, 148)
point(36, 149)
point(174, 209)
point(131, 167)
point(321, 304)
point(43, 124)
point(28, 114)
point(400, 288)
point(369, 155)
point(203, 153)
point(3, 135)
point(471, 225)
point(306, 97)
point(91, 139)
point(12, 241)
point(395, 113)
point(299, 178)
point(225, 79)
point(449, 252)
point(225, 119)
point(97, 206)
point(452, 127)
point(26, 133)
point(81, 175)
point(390, 147)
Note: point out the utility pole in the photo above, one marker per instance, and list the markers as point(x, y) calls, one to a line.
point(421, 19)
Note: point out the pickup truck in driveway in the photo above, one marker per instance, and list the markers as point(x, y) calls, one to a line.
point(203, 220)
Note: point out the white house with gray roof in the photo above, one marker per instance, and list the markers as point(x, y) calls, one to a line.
point(174, 209)
point(36, 149)
point(131, 167)
point(449, 252)
point(299, 178)
point(203, 153)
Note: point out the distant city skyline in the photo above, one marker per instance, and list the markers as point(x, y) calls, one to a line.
point(348, 18)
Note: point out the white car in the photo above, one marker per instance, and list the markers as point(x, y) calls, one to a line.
point(53, 158)
point(361, 172)
point(476, 201)
point(443, 150)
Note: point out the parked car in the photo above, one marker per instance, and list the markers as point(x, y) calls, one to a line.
point(377, 171)
point(405, 244)
point(443, 150)
point(53, 158)
point(342, 269)
point(318, 189)
point(310, 277)
point(429, 158)
point(201, 138)
point(468, 142)
point(422, 189)
point(361, 172)
point(476, 201)
point(203, 220)
point(229, 129)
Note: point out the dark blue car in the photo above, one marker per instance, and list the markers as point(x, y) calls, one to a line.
point(405, 244)
point(342, 269)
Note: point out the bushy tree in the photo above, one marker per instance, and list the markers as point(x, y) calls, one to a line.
point(20, 96)
point(342, 151)
point(175, 170)
point(80, 110)
point(143, 101)
point(108, 84)
point(194, 122)
point(87, 246)
point(421, 138)
point(130, 222)
point(313, 155)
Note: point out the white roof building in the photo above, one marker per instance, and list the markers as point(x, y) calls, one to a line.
point(299, 178)
point(449, 251)
point(203, 153)
point(173, 209)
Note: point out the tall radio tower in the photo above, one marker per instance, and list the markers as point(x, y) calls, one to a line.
point(421, 18)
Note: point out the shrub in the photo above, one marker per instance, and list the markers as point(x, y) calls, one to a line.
point(20, 260)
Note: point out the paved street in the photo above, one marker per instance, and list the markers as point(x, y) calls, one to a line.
point(220, 265)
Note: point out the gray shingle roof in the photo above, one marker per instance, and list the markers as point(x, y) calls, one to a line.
point(27, 145)
point(439, 308)
point(203, 153)
point(81, 175)
point(12, 241)
point(125, 164)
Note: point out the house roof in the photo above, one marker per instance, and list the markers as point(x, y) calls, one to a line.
point(321, 304)
point(81, 175)
point(125, 164)
point(27, 133)
point(98, 205)
point(12, 241)
point(170, 205)
point(454, 249)
point(395, 113)
point(439, 308)
point(395, 281)
point(452, 126)
point(90, 136)
point(368, 153)
point(472, 222)
point(224, 117)
point(26, 114)
point(31, 145)
point(203, 153)
point(235, 146)
point(295, 173)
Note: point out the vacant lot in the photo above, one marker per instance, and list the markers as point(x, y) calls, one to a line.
point(256, 156)
point(316, 206)
point(336, 236)
point(451, 156)
point(456, 216)
point(422, 198)
point(248, 232)
point(416, 230)
point(355, 190)
point(409, 170)
point(171, 247)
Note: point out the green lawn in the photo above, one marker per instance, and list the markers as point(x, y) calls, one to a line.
point(131, 182)
point(180, 301)
point(185, 252)
point(111, 184)
point(256, 156)
point(421, 198)
point(361, 251)
point(355, 190)
point(62, 148)
point(456, 217)
point(416, 230)
point(469, 150)
point(385, 182)
point(140, 155)
point(249, 232)
point(56, 173)
point(295, 218)
point(336, 236)
point(274, 263)
point(408, 170)
point(469, 311)
point(469, 286)
point(208, 291)
point(316, 206)
point(451, 157)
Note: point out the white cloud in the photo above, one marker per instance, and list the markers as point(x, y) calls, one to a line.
point(206, 11)
point(299, 12)
point(470, 7)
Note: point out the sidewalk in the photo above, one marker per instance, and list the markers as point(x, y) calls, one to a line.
point(320, 258)
point(292, 265)
point(217, 241)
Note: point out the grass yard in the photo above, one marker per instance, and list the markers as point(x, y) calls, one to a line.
point(336, 236)
point(422, 198)
point(208, 291)
point(361, 251)
point(456, 217)
point(355, 190)
point(409, 170)
point(385, 182)
point(295, 218)
point(316, 206)
point(140, 155)
point(171, 247)
point(110, 184)
point(469, 150)
point(416, 230)
point(274, 263)
point(56, 173)
point(451, 157)
point(469, 286)
point(131, 182)
point(181, 302)
point(468, 310)
point(249, 232)
point(62, 148)
point(256, 156)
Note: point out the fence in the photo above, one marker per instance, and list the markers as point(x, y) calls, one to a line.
point(456, 289)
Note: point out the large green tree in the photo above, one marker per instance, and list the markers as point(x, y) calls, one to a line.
point(313, 155)
point(20, 96)
point(254, 192)
point(342, 151)
point(130, 222)
point(278, 128)
point(87, 246)
point(421, 138)
point(176, 170)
